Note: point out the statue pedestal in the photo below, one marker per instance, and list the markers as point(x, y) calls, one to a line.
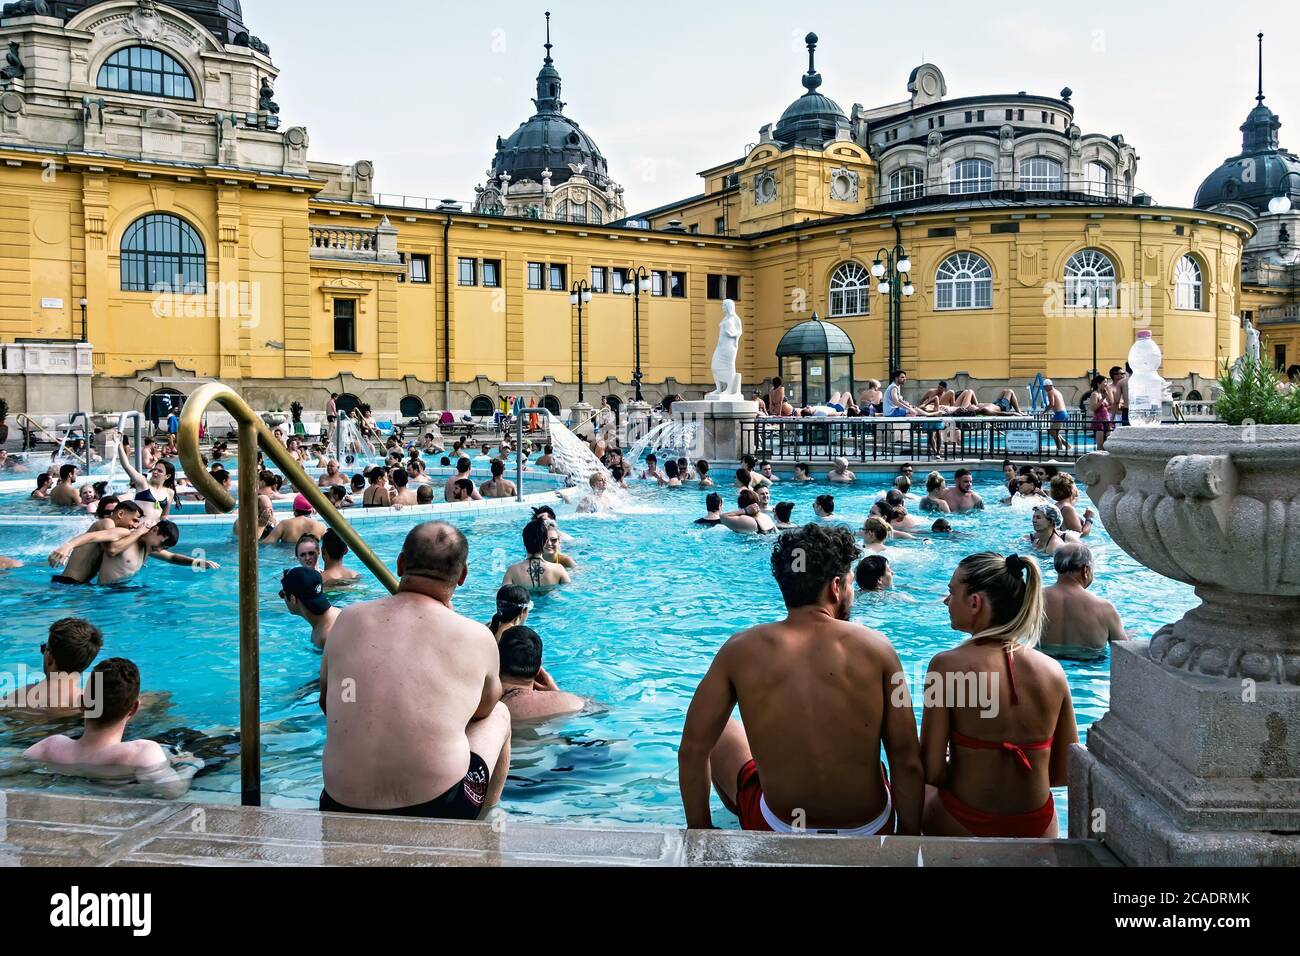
point(720, 434)
point(581, 419)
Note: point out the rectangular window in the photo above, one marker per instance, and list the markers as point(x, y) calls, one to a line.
point(720, 226)
point(695, 229)
point(733, 288)
point(345, 325)
point(979, 116)
point(941, 119)
point(598, 279)
point(418, 269)
point(1004, 227)
point(468, 271)
point(557, 279)
point(535, 270)
point(659, 283)
point(970, 116)
point(1020, 115)
point(713, 286)
point(492, 273)
point(1010, 115)
point(679, 285)
point(618, 279)
point(1279, 358)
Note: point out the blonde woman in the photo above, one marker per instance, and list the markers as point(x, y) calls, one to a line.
point(876, 533)
point(991, 762)
point(935, 485)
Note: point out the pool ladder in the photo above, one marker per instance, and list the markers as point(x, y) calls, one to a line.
point(252, 434)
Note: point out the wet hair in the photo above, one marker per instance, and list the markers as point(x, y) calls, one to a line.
point(309, 538)
point(713, 502)
point(805, 561)
point(498, 469)
point(107, 505)
point(903, 484)
point(521, 653)
point(399, 478)
point(652, 459)
point(44, 480)
point(1063, 488)
point(464, 466)
point(746, 498)
point(424, 495)
point(74, 644)
point(702, 467)
point(826, 503)
point(333, 545)
point(512, 600)
point(170, 533)
point(465, 485)
point(895, 498)
point(670, 469)
point(744, 478)
point(220, 475)
point(934, 482)
point(1013, 586)
point(545, 511)
point(800, 466)
point(130, 507)
point(783, 511)
point(435, 550)
point(358, 482)
point(871, 572)
point(66, 472)
point(1072, 558)
point(114, 688)
point(445, 463)
point(750, 462)
point(375, 474)
point(336, 493)
point(890, 512)
point(877, 528)
point(962, 473)
point(535, 535)
point(1032, 479)
point(942, 526)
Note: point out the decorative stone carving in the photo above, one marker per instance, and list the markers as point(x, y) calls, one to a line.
point(252, 42)
point(1076, 139)
point(765, 188)
point(265, 98)
point(1219, 508)
point(725, 376)
point(296, 144)
point(26, 8)
point(844, 185)
point(1007, 139)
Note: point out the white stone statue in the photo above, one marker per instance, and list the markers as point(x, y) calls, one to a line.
point(725, 375)
point(1252, 341)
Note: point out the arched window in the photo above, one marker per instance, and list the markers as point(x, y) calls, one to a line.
point(411, 407)
point(595, 215)
point(482, 407)
point(1188, 285)
point(850, 291)
point(144, 70)
point(906, 183)
point(1098, 180)
point(347, 404)
point(964, 281)
point(1040, 174)
point(163, 250)
point(562, 211)
point(551, 404)
point(971, 176)
point(1089, 279)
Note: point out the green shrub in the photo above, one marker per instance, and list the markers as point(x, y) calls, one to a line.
point(1254, 396)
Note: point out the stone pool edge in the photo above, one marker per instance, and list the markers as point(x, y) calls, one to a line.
point(43, 829)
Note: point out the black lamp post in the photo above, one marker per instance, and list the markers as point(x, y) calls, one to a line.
point(638, 282)
point(83, 305)
point(892, 269)
point(579, 295)
point(1098, 299)
point(1281, 201)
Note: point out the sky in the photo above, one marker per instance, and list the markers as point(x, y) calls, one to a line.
point(672, 87)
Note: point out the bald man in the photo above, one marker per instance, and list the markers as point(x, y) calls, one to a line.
point(1079, 624)
point(412, 696)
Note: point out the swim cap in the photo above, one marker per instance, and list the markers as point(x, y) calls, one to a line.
point(1051, 513)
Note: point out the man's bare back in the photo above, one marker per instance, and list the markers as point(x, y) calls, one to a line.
point(529, 705)
point(1078, 623)
point(401, 679)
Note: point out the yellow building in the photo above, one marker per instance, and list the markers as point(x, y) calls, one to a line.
point(146, 172)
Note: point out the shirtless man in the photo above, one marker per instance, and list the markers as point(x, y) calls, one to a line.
point(335, 550)
point(961, 497)
point(72, 646)
point(292, 530)
point(1119, 388)
point(402, 494)
point(302, 591)
point(548, 457)
point(1079, 624)
point(463, 469)
point(1059, 416)
point(521, 664)
point(819, 697)
point(534, 572)
point(840, 474)
point(83, 557)
point(411, 665)
point(497, 486)
point(941, 394)
point(65, 494)
point(652, 472)
point(125, 553)
point(111, 700)
point(332, 476)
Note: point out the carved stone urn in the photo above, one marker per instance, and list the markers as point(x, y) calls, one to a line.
point(1198, 760)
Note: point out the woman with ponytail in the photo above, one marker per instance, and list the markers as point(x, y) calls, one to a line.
point(513, 606)
point(999, 722)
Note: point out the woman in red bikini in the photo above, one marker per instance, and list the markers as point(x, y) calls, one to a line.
point(990, 762)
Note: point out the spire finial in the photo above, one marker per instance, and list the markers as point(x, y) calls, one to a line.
point(548, 36)
point(1260, 97)
point(812, 79)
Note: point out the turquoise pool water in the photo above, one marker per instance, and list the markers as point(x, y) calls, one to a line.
point(654, 598)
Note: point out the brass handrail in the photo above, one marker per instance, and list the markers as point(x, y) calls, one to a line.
point(30, 426)
point(252, 433)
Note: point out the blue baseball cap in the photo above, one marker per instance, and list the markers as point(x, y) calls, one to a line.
point(307, 586)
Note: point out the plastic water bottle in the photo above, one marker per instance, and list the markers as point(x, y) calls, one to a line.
point(1146, 389)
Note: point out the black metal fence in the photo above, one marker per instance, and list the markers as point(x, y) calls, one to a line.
point(821, 440)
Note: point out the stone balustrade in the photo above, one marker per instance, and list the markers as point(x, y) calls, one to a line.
point(356, 245)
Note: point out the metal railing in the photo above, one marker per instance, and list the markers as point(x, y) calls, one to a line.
point(87, 434)
point(137, 445)
point(252, 433)
point(29, 426)
point(822, 440)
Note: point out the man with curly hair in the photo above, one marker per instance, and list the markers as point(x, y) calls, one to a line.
point(819, 697)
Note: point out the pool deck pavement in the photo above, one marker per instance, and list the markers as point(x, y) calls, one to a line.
point(42, 829)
